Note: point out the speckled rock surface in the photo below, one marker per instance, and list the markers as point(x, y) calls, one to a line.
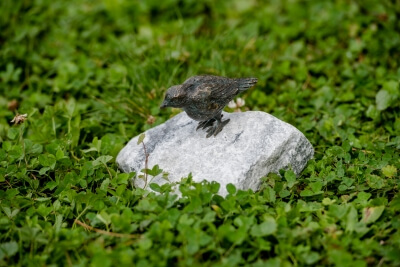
point(250, 146)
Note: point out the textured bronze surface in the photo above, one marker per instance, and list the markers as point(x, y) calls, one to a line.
point(204, 97)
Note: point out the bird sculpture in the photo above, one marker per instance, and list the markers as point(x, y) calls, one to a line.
point(203, 98)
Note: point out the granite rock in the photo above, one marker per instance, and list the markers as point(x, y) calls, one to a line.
point(250, 146)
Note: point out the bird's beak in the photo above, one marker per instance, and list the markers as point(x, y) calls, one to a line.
point(164, 104)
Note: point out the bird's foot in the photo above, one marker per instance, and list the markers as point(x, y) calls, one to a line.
point(216, 129)
point(205, 124)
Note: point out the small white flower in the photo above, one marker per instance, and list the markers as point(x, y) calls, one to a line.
point(232, 104)
point(240, 102)
point(236, 105)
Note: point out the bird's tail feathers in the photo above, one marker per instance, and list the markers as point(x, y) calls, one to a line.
point(246, 83)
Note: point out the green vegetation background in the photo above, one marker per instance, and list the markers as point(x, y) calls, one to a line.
point(91, 74)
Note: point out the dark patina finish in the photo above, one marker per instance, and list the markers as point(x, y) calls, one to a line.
point(204, 97)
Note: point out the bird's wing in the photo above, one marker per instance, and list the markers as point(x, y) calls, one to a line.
point(212, 91)
point(198, 91)
point(226, 90)
point(229, 88)
point(204, 79)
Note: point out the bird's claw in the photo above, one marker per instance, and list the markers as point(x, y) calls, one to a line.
point(216, 129)
point(220, 126)
point(205, 124)
point(209, 133)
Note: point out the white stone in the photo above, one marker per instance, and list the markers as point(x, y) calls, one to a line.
point(249, 147)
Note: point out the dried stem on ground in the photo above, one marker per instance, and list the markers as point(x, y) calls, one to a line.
point(103, 232)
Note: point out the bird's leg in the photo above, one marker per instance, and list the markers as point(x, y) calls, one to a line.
point(220, 126)
point(205, 124)
point(216, 129)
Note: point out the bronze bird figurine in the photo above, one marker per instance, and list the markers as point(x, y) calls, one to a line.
point(204, 97)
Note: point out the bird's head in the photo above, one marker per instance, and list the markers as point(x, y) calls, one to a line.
point(174, 97)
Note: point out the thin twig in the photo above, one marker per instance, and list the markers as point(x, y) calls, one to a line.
point(80, 214)
point(68, 258)
point(109, 173)
point(365, 151)
point(90, 228)
point(307, 82)
point(229, 250)
point(8, 183)
point(146, 160)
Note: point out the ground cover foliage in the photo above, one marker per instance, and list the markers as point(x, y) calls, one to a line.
point(91, 74)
